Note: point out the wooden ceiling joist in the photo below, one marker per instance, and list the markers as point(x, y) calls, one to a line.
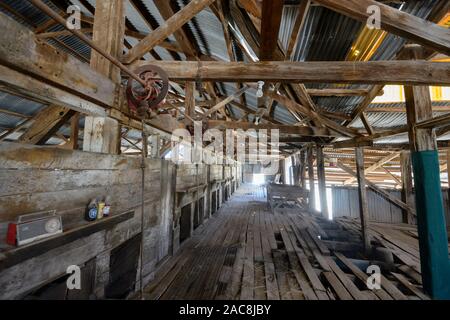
point(400, 72)
point(375, 166)
point(395, 21)
point(270, 27)
point(312, 115)
point(283, 129)
point(171, 25)
point(338, 92)
point(45, 124)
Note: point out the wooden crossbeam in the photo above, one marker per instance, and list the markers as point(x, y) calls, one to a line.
point(166, 11)
point(368, 140)
point(400, 72)
point(338, 92)
point(311, 114)
point(284, 129)
point(42, 61)
point(224, 102)
point(303, 11)
point(376, 165)
point(46, 123)
point(373, 92)
point(377, 189)
point(270, 26)
point(171, 25)
point(395, 21)
point(403, 110)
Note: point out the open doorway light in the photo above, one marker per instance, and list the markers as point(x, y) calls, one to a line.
point(259, 179)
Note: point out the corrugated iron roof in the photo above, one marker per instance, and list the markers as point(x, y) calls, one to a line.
point(326, 35)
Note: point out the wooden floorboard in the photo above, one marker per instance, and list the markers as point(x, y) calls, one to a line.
point(247, 251)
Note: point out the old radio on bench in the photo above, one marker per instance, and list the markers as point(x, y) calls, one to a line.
point(39, 225)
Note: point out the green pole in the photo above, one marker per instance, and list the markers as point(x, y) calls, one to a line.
point(433, 241)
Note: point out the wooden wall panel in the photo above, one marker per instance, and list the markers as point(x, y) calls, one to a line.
point(46, 178)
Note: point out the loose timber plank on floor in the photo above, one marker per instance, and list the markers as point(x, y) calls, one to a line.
point(247, 251)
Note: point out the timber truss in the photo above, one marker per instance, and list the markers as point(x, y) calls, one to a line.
point(78, 78)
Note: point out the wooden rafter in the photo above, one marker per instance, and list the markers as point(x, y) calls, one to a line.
point(270, 26)
point(171, 25)
point(377, 165)
point(395, 21)
point(400, 72)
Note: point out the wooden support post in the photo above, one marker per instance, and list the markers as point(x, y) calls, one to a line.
point(190, 101)
point(312, 188)
point(281, 171)
point(322, 181)
point(407, 184)
point(145, 144)
point(302, 170)
point(433, 241)
point(103, 134)
point(362, 197)
point(74, 131)
point(155, 146)
point(295, 160)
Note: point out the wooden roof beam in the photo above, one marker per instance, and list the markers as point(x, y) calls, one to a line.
point(311, 114)
point(339, 92)
point(284, 129)
point(400, 72)
point(182, 39)
point(272, 11)
point(171, 25)
point(395, 21)
point(377, 165)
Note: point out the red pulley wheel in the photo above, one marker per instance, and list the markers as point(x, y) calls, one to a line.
point(143, 99)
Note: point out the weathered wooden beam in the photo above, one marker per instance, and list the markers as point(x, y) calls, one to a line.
point(251, 111)
point(338, 92)
point(395, 21)
point(103, 134)
point(362, 198)
point(182, 39)
point(369, 140)
point(55, 68)
point(171, 25)
point(46, 123)
point(433, 239)
point(366, 123)
point(400, 72)
point(303, 11)
point(224, 102)
point(312, 187)
point(19, 83)
point(377, 189)
point(377, 165)
point(270, 26)
point(108, 34)
point(283, 129)
point(251, 6)
point(406, 183)
point(393, 176)
point(431, 123)
point(374, 91)
point(403, 110)
point(322, 181)
point(307, 112)
point(74, 131)
point(228, 39)
point(190, 101)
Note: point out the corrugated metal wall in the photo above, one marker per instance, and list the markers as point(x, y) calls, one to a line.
point(345, 204)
